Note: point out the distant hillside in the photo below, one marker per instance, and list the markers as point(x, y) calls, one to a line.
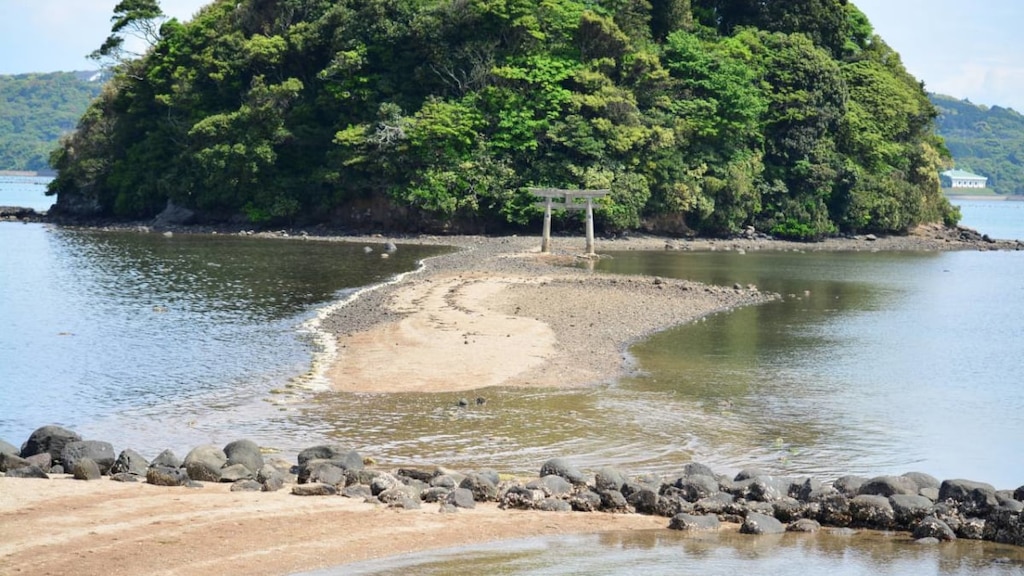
point(35, 110)
point(983, 140)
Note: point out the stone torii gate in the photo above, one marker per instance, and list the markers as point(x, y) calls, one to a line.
point(557, 198)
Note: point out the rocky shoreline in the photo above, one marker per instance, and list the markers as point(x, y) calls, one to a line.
point(695, 498)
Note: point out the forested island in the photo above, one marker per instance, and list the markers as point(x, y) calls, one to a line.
point(36, 110)
point(701, 117)
point(984, 140)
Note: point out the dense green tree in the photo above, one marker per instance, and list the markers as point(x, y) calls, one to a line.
point(700, 116)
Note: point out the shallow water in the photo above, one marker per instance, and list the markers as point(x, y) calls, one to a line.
point(156, 342)
point(725, 553)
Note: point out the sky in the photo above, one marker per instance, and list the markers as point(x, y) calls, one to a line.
point(966, 49)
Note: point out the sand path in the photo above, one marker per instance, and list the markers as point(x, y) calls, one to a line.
point(449, 339)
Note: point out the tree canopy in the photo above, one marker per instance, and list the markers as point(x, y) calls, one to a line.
point(700, 116)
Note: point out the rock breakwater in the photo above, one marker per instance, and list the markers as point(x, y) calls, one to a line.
point(695, 498)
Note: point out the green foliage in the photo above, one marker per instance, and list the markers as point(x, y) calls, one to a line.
point(983, 140)
point(36, 110)
point(700, 116)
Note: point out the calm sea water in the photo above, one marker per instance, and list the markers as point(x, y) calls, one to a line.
point(26, 192)
point(872, 364)
point(154, 342)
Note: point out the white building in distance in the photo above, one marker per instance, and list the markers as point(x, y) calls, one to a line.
point(962, 179)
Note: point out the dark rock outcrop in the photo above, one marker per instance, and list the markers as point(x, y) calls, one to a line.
point(50, 439)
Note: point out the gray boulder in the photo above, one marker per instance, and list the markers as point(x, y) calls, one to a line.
point(44, 461)
point(768, 488)
point(971, 529)
point(888, 486)
point(872, 511)
point(849, 486)
point(102, 453)
point(399, 497)
point(358, 492)
point(50, 439)
point(131, 462)
point(613, 501)
point(383, 481)
point(204, 463)
point(714, 504)
point(314, 490)
point(85, 469)
point(834, 509)
point(236, 472)
point(30, 471)
point(908, 509)
point(481, 486)
point(561, 467)
point(974, 498)
point(1005, 526)
point(166, 476)
point(803, 490)
point(167, 459)
point(10, 462)
point(461, 498)
point(694, 523)
point(432, 494)
point(804, 525)
point(268, 472)
point(343, 457)
point(246, 486)
point(322, 472)
point(123, 477)
point(515, 496)
point(271, 483)
point(761, 524)
point(244, 452)
point(585, 500)
point(922, 480)
point(644, 501)
point(932, 527)
point(552, 485)
point(788, 509)
point(695, 487)
point(609, 479)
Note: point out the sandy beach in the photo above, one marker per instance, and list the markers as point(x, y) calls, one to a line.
point(495, 312)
